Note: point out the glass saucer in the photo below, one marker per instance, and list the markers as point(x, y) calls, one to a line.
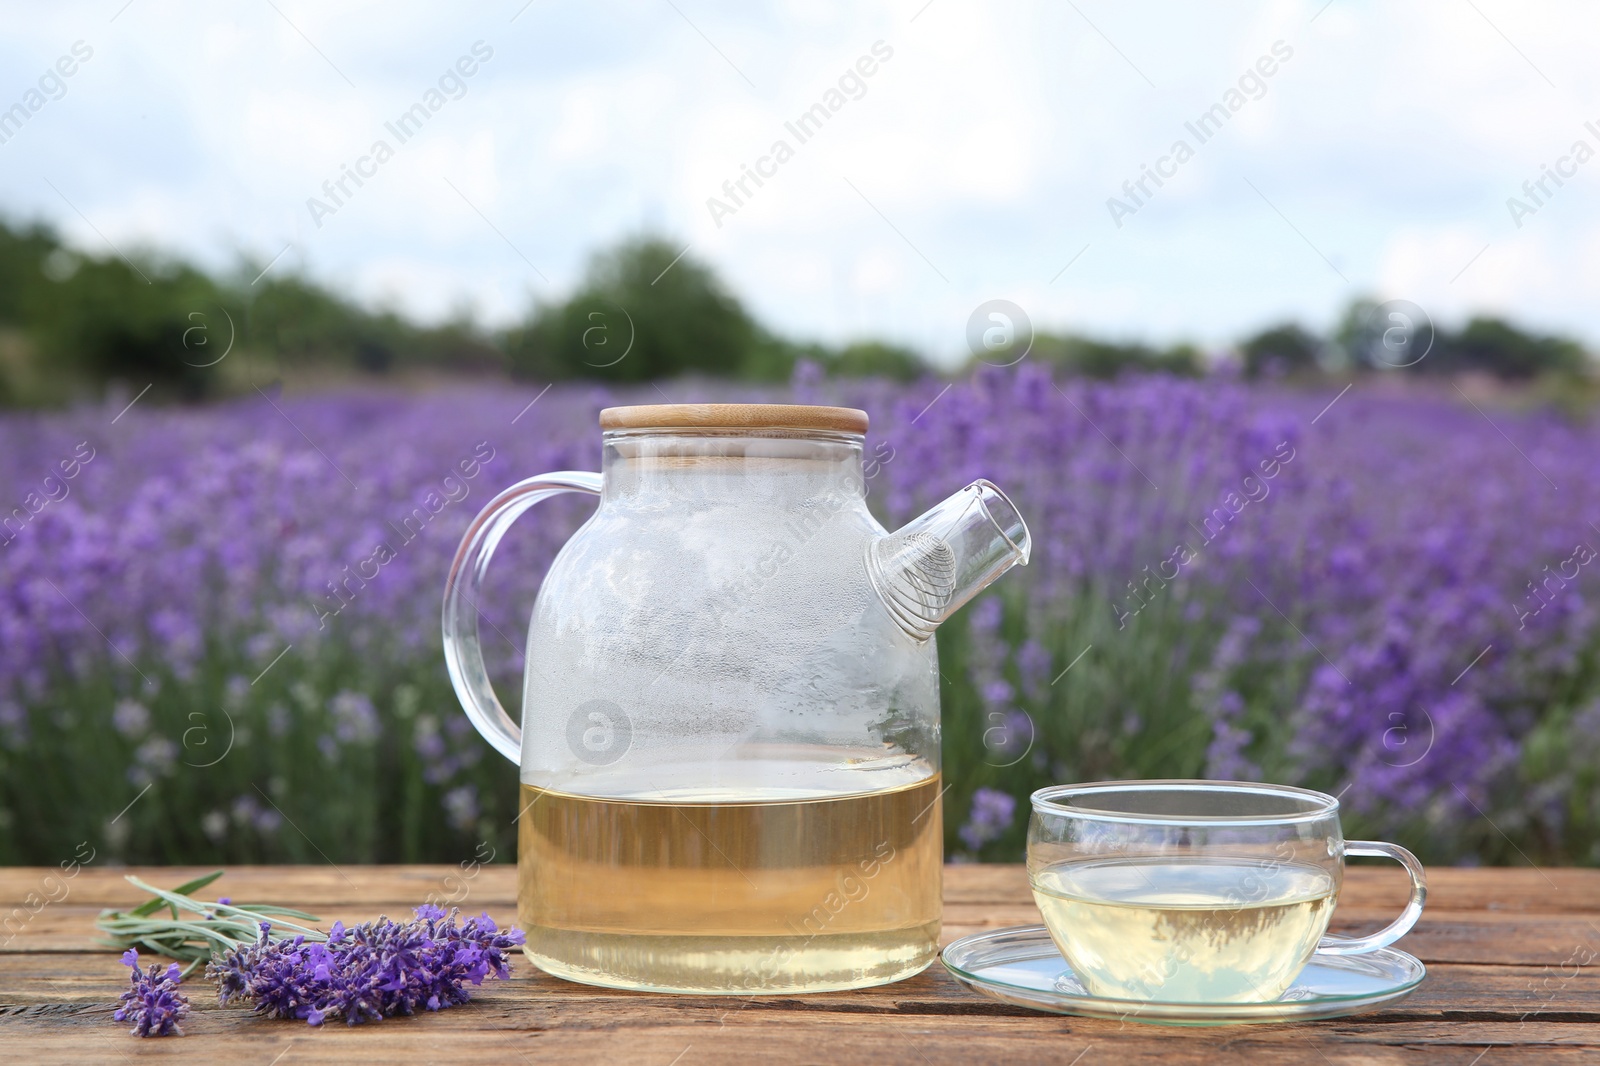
point(1022, 965)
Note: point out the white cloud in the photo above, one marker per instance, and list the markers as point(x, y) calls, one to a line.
point(990, 142)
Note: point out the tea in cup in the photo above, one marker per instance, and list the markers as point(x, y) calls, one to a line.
point(1196, 891)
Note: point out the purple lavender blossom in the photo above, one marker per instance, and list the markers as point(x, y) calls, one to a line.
point(130, 718)
point(1033, 664)
point(991, 815)
point(355, 720)
point(461, 806)
point(153, 1002)
point(157, 757)
point(1405, 538)
point(997, 693)
point(368, 972)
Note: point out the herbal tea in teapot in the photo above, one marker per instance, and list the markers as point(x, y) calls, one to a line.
point(749, 890)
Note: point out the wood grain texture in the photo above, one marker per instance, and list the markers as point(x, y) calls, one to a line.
point(1513, 959)
point(734, 416)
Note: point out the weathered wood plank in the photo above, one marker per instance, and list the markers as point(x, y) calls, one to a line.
point(1528, 996)
point(539, 1035)
point(46, 983)
point(1517, 890)
point(102, 886)
point(1442, 936)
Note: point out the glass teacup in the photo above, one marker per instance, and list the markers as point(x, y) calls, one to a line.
point(1196, 891)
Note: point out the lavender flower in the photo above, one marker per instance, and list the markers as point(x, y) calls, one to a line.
point(371, 971)
point(155, 758)
point(153, 1003)
point(1403, 540)
point(991, 815)
point(1033, 663)
point(130, 718)
point(355, 719)
point(461, 806)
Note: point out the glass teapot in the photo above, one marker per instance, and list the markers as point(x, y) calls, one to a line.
point(730, 731)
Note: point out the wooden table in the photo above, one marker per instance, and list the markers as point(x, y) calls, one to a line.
point(1513, 976)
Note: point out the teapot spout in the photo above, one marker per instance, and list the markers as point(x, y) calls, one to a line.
point(925, 571)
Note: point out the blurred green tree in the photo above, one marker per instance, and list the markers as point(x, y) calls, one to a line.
point(645, 311)
point(875, 359)
point(116, 325)
point(1497, 347)
point(1279, 350)
point(70, 324)
point(98, 320)
point(1086, 357)
point(1485, 344)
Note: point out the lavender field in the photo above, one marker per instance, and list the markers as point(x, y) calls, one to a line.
point(219, 625)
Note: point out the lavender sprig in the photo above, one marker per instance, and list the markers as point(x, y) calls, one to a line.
point(218, 925)
point(372, 971)
point(153, 1003)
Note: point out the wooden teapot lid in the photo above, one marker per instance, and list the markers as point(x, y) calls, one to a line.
point(734, 416)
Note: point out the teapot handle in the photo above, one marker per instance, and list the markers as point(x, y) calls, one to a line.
point(463, 651)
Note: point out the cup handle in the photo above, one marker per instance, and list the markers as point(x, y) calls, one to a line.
point(1396, 929)
point(463, 653)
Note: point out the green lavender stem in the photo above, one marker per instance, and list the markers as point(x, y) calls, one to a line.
point(219, 927)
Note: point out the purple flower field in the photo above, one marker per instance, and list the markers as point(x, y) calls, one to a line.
point(219, 626)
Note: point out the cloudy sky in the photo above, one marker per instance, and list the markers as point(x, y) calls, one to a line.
point(1353, 148)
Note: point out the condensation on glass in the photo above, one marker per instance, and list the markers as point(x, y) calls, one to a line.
point(729, 745)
